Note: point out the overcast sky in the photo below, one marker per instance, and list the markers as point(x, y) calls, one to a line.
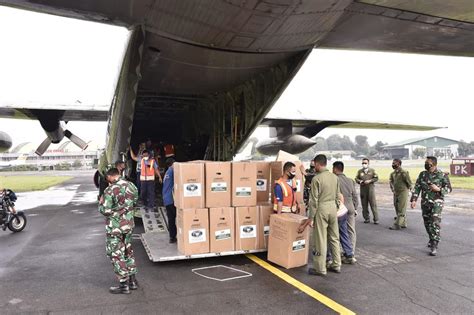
point(52, 60)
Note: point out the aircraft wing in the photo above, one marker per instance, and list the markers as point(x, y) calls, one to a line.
point(73, 113)
point(311, 127)
point(426, 26)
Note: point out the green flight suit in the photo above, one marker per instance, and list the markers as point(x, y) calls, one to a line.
point(323, 203)
point(367, 192)
point(400, 184)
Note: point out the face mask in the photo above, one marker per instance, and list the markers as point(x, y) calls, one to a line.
point(428, 166)
point(291, 175)
point(365, 165)
point(145, 158)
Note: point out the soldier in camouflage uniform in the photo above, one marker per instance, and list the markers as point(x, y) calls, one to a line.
point(308, 177)
point(433, 186)
point(117, 206)
point(400, 184)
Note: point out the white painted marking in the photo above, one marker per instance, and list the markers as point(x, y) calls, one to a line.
point(52, 196)
point(245, 274)
point(15, 301)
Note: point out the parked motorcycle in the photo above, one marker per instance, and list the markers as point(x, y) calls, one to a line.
point(9, 217)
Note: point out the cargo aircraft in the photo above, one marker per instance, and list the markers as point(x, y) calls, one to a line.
point(226, 62)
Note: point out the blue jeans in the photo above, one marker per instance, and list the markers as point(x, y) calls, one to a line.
point(344, 238)
point(148, 193)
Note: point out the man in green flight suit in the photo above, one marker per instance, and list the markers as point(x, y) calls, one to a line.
point(433, 186)
point(366, 177)
point(325, 197)
point(400, 184)
point(117, 205)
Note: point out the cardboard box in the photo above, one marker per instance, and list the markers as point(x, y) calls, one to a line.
point(263, 181)
point(218, 184)
point(246, 222)
point(222, 229)
point(189, 188)
point(287, 247)
point(193, 231)
point(264, 213)
point(244, 184)
point(277, 172)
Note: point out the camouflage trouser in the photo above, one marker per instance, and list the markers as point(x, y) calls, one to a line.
point(432, 219)
point(119, 249)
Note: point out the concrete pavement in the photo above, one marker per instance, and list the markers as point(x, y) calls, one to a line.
point(58, 265)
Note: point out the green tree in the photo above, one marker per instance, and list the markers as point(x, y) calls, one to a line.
point(77, 164)
point(378, 147)
point(465, 148)
point(321, 144)
point(419, 153)
point(334, 142)
point(347, 143)
point(362, 145)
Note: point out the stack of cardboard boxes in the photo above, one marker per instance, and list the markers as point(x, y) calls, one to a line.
point(225, 206)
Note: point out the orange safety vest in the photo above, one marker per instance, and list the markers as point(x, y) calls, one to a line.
point(289, 199)
point(147, 173)
point(169, 150)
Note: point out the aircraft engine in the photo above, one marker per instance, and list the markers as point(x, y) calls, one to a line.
point(5, 141)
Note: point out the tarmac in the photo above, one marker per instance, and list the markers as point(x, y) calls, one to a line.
point(57, 265)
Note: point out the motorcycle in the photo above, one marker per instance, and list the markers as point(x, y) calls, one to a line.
point(14, 220)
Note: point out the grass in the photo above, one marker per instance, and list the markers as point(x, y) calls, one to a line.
point(29, 183)
point(384, 175)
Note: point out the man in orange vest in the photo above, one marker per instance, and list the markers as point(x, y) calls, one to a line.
point(285, 188)
point(149, 169)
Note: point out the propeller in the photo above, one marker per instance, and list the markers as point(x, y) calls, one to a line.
point(56, 137)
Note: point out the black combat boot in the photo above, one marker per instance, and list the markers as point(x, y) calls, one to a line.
point(434, 247)
point(132, 282)
point(121, 289)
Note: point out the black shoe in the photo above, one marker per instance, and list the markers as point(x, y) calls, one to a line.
point(313, 272)
point(376, 222)
point(334, 269)
point(121, 289)
point(4, 227)
point(367, 221)
point(132, 282)
point(173, 240)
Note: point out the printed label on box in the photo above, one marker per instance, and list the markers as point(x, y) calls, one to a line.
point(222, 235)
point(192, 190)
point(197, 236)
point(262, 185)
point(248, 231)
point(266, 230)
point(219, 187)
point(299, 245)
point(243, 191)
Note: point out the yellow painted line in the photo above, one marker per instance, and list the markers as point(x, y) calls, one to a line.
point(301, 286)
